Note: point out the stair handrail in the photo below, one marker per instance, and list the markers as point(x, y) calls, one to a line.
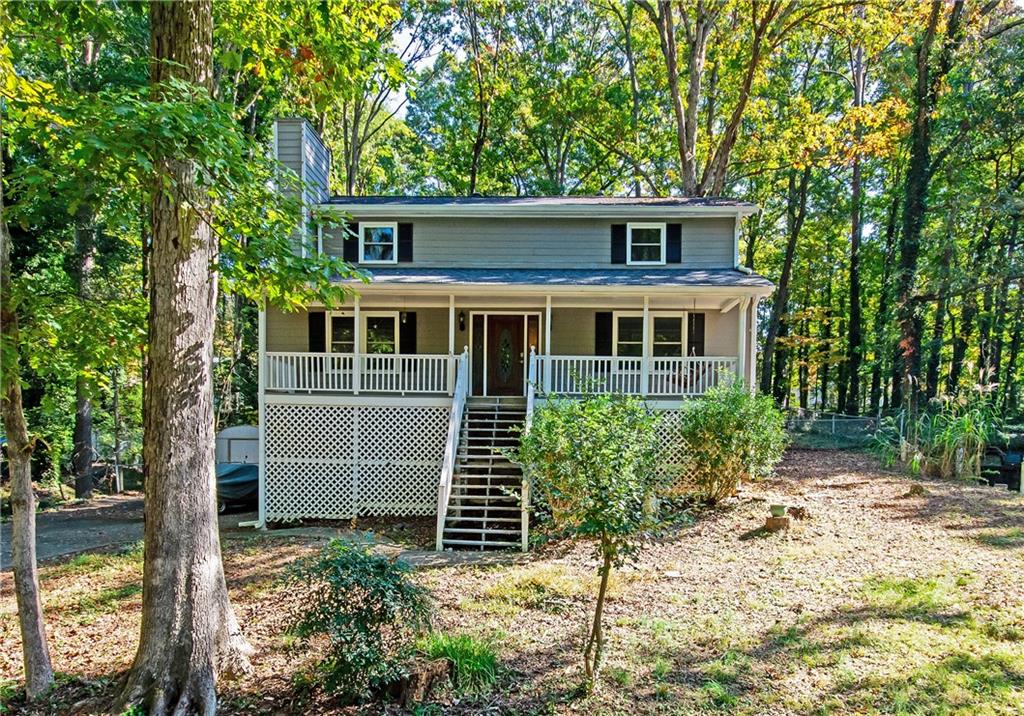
point(444, 488)
point(531, 398)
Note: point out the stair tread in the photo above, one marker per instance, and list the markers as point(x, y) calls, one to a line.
point(478, 543)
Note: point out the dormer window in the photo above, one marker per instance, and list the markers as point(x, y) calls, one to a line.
point(645, 244)
point(378, 243)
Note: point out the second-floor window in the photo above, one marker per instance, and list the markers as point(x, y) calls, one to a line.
point(645, 244)
point(378, 243)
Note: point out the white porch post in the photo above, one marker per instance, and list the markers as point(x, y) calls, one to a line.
point(261, 371)
point(451, 344)
point(547, 345)
point(752, 345)
point(356, 348)
point(742, 339)
point(645, 368)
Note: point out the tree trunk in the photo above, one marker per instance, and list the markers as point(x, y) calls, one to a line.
point(915, 198)
point(189, 633)
point(854, 331)
point(34, 650)
point(796, 212)
point(594, 652)
point(883, 348)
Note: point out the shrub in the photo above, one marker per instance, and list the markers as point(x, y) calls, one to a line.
point(474, 661)
point(370, 611)
point(731, 435)
point(592, 463)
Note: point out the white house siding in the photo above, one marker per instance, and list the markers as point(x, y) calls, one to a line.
point(544, 243)
point(332, 460)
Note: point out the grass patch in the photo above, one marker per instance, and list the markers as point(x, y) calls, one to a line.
point(474, 661)
point(549, 588)
point(1005, 539)
point(907, 596)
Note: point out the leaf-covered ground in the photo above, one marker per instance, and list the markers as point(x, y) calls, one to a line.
point(882, 601)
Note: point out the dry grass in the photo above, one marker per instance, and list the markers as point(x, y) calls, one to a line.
point(879, 603)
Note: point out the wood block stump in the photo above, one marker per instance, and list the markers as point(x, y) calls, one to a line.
point(774, 524)
point(422, 678)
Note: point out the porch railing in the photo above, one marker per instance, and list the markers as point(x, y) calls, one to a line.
point(656, 377)
point(451, 446)
point(378, 373)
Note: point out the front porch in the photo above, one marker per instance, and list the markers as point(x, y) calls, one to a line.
point(666, 348)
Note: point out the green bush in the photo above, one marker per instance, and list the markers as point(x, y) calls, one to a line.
point(731, 435)
point(370, 611)
point(474, 661)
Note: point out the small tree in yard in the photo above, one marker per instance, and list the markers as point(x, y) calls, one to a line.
point(731, 435)
point(592, 463)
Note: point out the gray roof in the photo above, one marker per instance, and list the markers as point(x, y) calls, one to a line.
point(552, 201)
point(667, 277)
point(543, 207)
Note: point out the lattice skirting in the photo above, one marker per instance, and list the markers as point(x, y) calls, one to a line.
point(343, 461)
point(674, 448)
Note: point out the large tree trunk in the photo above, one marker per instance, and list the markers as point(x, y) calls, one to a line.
point(189, 633)
point(915, 198)
point(35, 653)
point(854, 333)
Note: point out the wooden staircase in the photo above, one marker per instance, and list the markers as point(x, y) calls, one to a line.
point(484, 510)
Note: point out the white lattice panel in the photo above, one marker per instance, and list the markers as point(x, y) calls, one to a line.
point(674, 448)
point(340, 461)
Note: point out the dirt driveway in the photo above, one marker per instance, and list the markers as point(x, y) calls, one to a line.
point(106, 521)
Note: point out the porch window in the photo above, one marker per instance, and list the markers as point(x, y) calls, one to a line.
point(629, 336)
point(343, 334)
point(668, 337)
point(378, 243)
point(381, 334)
point(645, 244)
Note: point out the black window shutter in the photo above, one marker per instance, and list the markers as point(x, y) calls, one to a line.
point(603, 334)
point(407, 332)
point(351, 243)
point(405, 242)
point(618, 244)
point(317, 332)
point(674, 243)
point(695, 334)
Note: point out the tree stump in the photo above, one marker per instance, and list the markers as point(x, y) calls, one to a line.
point(416, 686)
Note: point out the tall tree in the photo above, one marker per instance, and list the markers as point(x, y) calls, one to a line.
point(930, 74)
point(189, 634)
point(35, 652)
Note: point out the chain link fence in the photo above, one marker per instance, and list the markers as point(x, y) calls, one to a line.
point(830, 430)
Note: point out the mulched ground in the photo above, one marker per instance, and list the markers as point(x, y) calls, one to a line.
point(880, 601)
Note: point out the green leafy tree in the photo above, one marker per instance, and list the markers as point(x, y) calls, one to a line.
point(592, 467)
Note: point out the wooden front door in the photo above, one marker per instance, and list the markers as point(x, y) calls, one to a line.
point(505, 358)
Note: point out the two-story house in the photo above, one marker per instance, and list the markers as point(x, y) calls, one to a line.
point(399, 402)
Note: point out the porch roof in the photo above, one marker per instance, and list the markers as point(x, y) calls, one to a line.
point(572, 278)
